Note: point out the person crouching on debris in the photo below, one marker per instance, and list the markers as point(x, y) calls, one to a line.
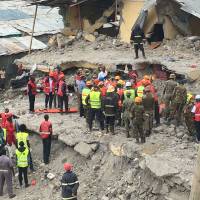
point(137, 37)
point(31, 91)
point(69, 183)
point(22, 163)
point(49, 89)
point(63, 93)
point(46, 133)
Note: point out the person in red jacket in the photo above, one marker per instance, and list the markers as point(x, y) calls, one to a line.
point(102, 88)
point(31, 90)
point(46, 133)
point(62, 93)
point(49, 89)
point(10, 132)
point(120, 92)
point(4, 117)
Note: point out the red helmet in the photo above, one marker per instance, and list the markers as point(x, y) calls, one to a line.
point(68, 166)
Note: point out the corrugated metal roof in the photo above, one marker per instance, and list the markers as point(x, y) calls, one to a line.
point(9, 46)
point(7, 30)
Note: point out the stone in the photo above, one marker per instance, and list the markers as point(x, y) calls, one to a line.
point(180, 135)
point(50, 176)
point(89, 37)
point(158, 129)
point(156, 185)
point(84, 149)
point(104, 198)
point(69, 140)
point(164, 189)
point(94, 146)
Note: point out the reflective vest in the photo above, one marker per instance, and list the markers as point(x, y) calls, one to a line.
point(4, 117)
point(132, 91)
point(22, 137)
point(197, 112)
point(47, 86)
point(85, 93)
point(33, 87)
point(60, 85)
point(4, 134)
point(45, 129)
point(95, 100)
point(120, 92)
point(189, 96)
point(22, 158)
point(140, 91)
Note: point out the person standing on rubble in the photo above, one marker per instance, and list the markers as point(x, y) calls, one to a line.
point(10, 132)
point(6, 172)
point(137, 37)
point(110, 108)
point(94, 100)
point(137, 116)
point(31, 91)
point(130, 90)
point(49, 90)
point(69, 183)
point(5, 115)
point(63, 94)
point(46, 134)
point(167, 94)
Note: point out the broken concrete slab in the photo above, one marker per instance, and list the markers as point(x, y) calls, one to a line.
point(89, 37)
point(50, 176)
point(84, 149)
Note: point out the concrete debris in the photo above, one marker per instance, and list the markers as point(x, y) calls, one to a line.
point(50, 176)
point(84, 149)
point(89, 37)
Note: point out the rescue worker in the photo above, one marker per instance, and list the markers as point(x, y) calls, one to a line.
point(137, 37)
point(102, 88)
point(188, 115)
point(179, 99)
point(95, 80)
point(69, 183)
point(63, 93)
point(126, 108)
point(137, 116)
point(140, 89)
point(6, 172)
point(5, 116)
point(196, 113)
point(130, 90)
point(10, 132)
point(22, 163)
point(31, 91)
point(46, 131)
point(88, 76)
point(120, 92)
point(167, 94)
point(23, 136)
point(49, 89)
point(148, 103)
point(110, 108)
point(85, 92)
point(94, 100)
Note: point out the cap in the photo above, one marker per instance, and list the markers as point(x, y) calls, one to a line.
point(197, 97)
point(68, 166)
point(128, 84)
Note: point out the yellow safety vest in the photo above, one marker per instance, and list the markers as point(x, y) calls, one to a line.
point(85, 93)
point(132, 94)
point(189, 96)
point(22, 158)
point(4, 134)
point(140, 91)
point(22, 137)
point(95, 100)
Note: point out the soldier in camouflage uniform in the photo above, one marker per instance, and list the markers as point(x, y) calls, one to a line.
point(179, 99)
point(167, 94)
point(137, 116)
point(148, 103)
point(127, 104)
point(188, 116)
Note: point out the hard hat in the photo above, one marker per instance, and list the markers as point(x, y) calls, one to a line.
point(51, 74)
point(128, 84)
point(172, 76)
point(146, 77)
point(197, 97)
point(68, 166)
point(147, 89)
point(88, 83)
point(117, 77)
point(110, 89)
point(100, 83)
point(120, 82)
point(138, 99)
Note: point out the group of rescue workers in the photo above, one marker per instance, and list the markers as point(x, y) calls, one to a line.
point(108, 100)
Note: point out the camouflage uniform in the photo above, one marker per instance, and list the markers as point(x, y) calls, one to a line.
point(127, 104)
point(148, 103)
point(179, 100)
point(167, 95)
point(188, 117)
point(137, 115)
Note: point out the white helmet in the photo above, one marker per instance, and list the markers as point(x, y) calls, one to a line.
point(197, 97)
point(128, 84)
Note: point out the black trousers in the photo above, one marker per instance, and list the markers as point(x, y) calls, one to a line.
point(157, 114)
point(63, 101)
point(197, 127)
point(49, 100)
point(137, 47)
point(110, 120)
point(46, 149)
point(81, 109)
point(94, 112)
point(23, 174)
point(31, 102)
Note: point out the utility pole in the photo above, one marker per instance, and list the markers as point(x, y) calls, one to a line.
point(195, 191)
point(36, 8)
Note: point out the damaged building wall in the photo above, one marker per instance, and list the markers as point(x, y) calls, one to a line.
point(129, 14)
